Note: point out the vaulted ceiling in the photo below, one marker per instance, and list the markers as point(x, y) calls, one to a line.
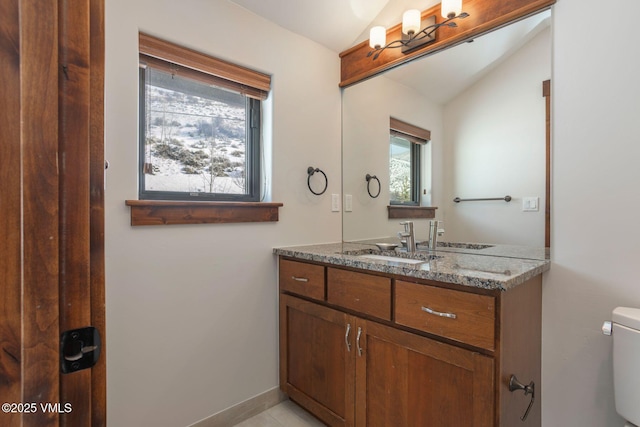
point(340, 24)
point(336, 24)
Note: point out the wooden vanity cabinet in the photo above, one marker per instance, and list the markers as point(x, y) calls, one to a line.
point(361, 367)
point(475, 320)
point(316, 367)
point(403, 379)
point(302, 279)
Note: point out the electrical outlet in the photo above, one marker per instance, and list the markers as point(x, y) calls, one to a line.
point(335, 203)
point(348, 203)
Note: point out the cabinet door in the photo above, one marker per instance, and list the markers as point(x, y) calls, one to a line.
point(404, 379)
point(316, 359)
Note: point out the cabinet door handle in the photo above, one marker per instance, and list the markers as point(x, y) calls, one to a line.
point(530, 388)
point(346, 337)
point(438, 313)
point(358, 341)
point(300, 279)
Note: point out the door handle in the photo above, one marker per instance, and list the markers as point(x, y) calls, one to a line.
point(346, 337)
point(77, 355)
point(79, 349)
point(358, 342)
point(530, 388)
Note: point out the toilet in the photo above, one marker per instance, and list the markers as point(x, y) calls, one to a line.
point(625, 330)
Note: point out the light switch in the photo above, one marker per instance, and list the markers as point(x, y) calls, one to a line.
point(335, 203)
point(348, 203)
point(530, 204)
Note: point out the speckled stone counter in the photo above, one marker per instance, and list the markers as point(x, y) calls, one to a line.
point(496, 272)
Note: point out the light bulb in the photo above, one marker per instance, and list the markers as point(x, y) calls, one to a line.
point(377, 37)
point(451, 8)
point(411, 21)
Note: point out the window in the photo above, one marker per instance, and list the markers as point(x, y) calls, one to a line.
point(405, 147)
point(199, 126)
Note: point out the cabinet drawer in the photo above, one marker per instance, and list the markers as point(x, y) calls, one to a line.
point(461, 316)
point(361, 292)
point(302, 279)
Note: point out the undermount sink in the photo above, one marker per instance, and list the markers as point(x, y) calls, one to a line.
point(395, 256)
point(393, 259)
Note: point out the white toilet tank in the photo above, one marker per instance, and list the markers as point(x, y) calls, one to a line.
point(626, 362)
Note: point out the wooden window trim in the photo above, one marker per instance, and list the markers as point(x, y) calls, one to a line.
point(170, 67)
point(167, 51)
point(201, 67)
point(162, 212)
point(417, 212)
point(185, 62)
point(418, 134)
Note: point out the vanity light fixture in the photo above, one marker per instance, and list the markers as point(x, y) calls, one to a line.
point(412, 35)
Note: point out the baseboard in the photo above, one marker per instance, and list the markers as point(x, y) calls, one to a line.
point(243, 410)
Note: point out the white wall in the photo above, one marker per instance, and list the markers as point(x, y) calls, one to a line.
point(192, 310)
point(495, 146)
point(595, 229)
point(367, 107)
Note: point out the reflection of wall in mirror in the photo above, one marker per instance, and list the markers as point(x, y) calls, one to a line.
point(495, 146)
point(367, 108)
point(486, 142)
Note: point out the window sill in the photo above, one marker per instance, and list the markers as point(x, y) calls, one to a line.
point(400, 211)
point(160, 212)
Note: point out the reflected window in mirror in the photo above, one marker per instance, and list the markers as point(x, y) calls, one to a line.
point(406, 143)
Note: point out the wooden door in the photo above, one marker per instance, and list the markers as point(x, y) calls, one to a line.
point(316, 359)
point(51, 208)
point(407, 380)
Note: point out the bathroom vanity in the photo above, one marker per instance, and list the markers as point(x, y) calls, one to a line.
point(406, 342)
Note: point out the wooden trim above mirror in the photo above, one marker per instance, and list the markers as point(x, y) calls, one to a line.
point(484, 16)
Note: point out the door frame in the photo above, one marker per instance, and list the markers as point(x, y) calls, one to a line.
point(51, 207)
point(546, 93)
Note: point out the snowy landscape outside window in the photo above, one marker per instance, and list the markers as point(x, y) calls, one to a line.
point(401, 170)
point(406, 145)
point(199, 140)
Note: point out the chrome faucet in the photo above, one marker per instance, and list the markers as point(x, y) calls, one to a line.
point(408, 235)
point(434, 232)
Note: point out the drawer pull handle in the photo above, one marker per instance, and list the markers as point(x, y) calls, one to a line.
point(358, 341)
point(438, 313)
point(300, 279)
point(346, 337)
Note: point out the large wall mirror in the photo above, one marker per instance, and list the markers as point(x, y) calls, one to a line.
point(483, 104)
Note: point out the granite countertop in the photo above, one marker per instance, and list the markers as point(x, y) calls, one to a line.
point(446, 264)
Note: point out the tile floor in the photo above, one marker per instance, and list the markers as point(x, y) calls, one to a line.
point(285, 414)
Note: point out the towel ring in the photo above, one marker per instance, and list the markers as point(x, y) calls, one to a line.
point(369, 178)
point(310, 171)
